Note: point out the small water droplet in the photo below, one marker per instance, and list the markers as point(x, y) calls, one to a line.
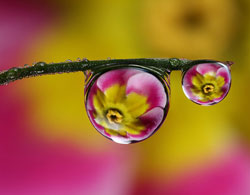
point(205, 93)
point(85, 60)
point(11, 75)
point(68, 60)
point(40, 64)
point(78, 59)
point(39, 71)
point(108, 58)
point(26, 65)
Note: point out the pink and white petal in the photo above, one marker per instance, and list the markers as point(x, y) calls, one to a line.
point(121, 140)
point(95, 124)
point(207, 67)
point(90, 98)
point(226, 88)
point(206, 103)
point(112, 77)
point(224, 72)
point(148, 85)
point(188, 76)
point(189, 93)
point(152, 120)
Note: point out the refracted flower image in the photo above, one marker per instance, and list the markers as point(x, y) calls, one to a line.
point(127, 105)
point(207, 83)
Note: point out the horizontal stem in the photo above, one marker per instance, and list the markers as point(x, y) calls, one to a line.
point(41, 68)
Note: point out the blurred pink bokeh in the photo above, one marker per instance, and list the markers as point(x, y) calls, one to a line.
point(47, 144)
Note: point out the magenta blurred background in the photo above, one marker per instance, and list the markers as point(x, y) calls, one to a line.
point(49, 147)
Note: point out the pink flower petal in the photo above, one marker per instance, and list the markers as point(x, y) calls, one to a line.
point(189, 93)
point(152, 119)
point(90, 98)
point(121, 140)
point(208, 67)
point(119, 76)
point(148, 85)
point(187, 79)
point(224, 73)
point(92, 120)
point(225, 90)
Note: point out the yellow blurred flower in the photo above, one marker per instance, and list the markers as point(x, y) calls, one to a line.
point(191, 29)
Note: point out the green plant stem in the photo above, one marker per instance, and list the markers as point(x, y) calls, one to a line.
point(41, 68)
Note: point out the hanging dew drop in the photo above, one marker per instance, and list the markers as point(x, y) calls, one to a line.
point(85, 60)
point(40, 64)
point(11, 75)
point(40, 71)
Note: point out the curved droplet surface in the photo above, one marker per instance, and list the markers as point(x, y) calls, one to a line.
point(207, 83)
point(127, 105)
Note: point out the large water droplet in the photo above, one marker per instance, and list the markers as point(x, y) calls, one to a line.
point(139, 102)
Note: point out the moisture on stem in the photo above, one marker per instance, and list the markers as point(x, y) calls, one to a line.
point(162, 65)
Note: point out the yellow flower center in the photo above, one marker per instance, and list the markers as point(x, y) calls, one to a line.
point(208, 88)
point(114, 116)
point(119, 113)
